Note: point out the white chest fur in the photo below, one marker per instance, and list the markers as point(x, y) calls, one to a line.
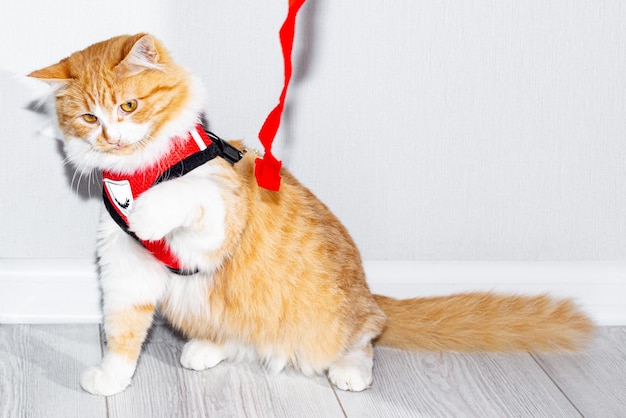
point(187, 297)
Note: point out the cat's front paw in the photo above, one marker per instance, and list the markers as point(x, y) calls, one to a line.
point(97, 381)
point(158, 212)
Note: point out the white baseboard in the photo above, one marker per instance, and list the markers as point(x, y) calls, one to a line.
point(66, 291)
point(599, 288)
point(36, 291)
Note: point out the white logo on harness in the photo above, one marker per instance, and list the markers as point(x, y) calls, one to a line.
point(121, 194)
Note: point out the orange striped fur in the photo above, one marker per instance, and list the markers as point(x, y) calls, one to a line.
point(127, 329)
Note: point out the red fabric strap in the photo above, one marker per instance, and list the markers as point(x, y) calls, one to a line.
point(267, 169)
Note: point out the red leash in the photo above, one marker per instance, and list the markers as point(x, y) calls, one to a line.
point(267, 169)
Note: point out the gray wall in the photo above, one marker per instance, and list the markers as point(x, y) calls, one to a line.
point(435, 130)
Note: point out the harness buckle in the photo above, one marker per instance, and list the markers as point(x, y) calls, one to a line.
point(227, 151)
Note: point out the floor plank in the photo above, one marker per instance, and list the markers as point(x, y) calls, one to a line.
point(163, 388)
point(39, 370)
point(594, 381)
point(445, 385)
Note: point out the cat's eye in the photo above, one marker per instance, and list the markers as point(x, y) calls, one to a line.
point(89, 118)
point(129, 106)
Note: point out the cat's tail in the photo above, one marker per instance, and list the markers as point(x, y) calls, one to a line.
point(483, 322)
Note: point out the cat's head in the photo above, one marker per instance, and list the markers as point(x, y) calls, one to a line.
point(119, 101)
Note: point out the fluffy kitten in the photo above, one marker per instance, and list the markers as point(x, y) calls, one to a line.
point(276, 274)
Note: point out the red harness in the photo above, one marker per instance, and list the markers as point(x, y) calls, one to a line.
point(121, 190)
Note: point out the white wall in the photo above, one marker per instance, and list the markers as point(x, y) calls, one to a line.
point(474, 130)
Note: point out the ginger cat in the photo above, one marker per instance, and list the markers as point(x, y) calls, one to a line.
point(235, 268)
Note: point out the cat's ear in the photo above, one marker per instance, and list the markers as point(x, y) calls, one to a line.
point(57, 73)
point(142, 56)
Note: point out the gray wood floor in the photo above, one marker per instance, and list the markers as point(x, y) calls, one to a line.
point(40, 365)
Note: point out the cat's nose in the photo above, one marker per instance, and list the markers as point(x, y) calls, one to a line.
point(111, 137)
point(112, 141)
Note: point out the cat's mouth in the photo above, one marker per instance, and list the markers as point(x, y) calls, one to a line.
point(119, 148)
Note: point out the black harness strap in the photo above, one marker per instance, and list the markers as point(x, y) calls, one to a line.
point(218, 148)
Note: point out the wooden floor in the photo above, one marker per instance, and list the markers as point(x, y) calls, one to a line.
point(40, 365)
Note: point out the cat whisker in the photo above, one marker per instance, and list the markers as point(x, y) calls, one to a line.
point(82, 167)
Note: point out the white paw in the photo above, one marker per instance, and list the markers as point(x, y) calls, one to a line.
point(353, 370)
point(201, 355)
point(354, 379)
point(99, 382)
point(157, 212)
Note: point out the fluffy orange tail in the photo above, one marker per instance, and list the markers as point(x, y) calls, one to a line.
point(483, 322)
